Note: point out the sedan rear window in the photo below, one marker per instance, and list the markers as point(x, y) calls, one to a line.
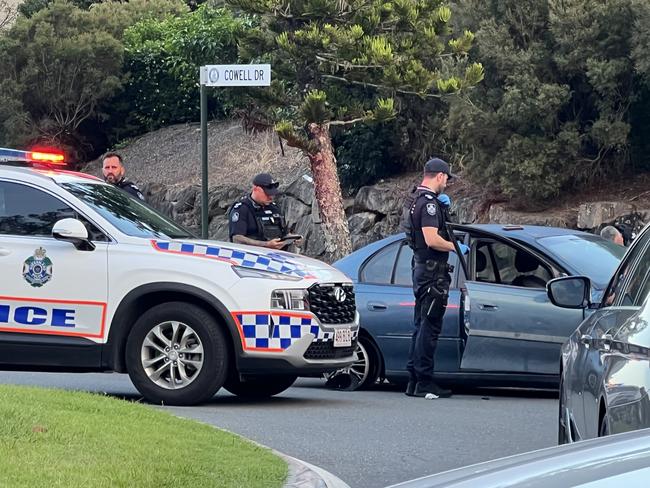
point(589, 255)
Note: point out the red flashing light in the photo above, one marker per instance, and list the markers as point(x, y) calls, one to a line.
point(48, 157)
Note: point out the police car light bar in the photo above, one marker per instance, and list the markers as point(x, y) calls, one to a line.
point(16, 156)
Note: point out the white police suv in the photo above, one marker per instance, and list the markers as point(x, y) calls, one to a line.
point(94, 280)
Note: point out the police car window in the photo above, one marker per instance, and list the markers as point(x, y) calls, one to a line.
point(129, 215)
point(26, 211)
point(403, 275)
point(379, 269)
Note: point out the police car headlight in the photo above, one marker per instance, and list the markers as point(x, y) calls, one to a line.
point(243, 272)
point(289, 300)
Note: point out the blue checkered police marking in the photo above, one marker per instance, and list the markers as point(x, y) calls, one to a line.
point(278, 331)
point(271, 261)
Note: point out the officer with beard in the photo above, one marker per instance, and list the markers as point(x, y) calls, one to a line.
point(113, 171)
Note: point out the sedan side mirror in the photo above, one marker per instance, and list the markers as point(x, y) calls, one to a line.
point(570, 292)
point(73, 231)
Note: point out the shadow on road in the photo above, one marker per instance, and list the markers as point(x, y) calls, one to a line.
point(501, 392)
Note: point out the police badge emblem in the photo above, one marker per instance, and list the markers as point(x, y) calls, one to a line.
point(37, 269)
point(431, 208)
point(235, 217)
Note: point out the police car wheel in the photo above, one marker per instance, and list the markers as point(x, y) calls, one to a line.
point(176, 354)
point(361, 374)
point(259, 386)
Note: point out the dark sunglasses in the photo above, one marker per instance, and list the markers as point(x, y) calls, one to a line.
point(271, 186)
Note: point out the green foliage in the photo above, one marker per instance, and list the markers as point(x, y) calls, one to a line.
point(30, 7)
point(58, 69)
point(163, 57)
point(366, 154)
point(370, 60)
point(554, 110)
point(62, 67)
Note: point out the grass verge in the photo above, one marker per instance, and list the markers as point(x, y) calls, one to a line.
point(52, 438)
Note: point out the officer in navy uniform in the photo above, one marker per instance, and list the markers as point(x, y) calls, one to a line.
point(424, 219)
point(255, 219)
point(113, 170)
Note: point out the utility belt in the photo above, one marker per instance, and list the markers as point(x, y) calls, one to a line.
point(435, 266)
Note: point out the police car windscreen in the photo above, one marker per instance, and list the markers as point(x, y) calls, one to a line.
point(129, 215)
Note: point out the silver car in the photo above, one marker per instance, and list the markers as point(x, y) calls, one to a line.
point(605, 364)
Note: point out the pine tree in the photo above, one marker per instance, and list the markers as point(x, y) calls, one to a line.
point(340, 62)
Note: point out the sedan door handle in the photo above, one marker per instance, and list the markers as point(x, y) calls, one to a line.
point(586, 339)
point(487, 307)
point(4, 252)
point(607, 341)
point(377, 306)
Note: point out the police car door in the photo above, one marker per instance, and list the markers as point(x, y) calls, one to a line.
point(511, 325)
point(52, 296)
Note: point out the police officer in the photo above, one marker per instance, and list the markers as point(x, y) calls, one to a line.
point(424, 220)
point(255, 219)
point(113, 170)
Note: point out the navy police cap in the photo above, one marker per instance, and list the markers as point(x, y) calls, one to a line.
point(437, 165)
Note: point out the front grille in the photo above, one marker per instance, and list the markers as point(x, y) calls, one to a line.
point(326, 350)
point(329, 310)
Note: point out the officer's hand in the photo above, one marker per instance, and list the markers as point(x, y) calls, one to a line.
point(276, 244)
point(444, 199)
point(463, 248)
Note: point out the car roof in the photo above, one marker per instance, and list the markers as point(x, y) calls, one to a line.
point(523, 232)
point(56, 174)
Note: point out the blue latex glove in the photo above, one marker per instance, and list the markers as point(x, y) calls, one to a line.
point(463, 248)
point(444, 199)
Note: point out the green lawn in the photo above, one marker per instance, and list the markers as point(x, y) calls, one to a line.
point(51, 438)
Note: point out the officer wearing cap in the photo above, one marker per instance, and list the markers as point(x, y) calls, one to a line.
point(113, 171)
point(255, 219)
point(424, 218)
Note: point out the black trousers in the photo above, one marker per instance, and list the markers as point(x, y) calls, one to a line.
point(425, 336)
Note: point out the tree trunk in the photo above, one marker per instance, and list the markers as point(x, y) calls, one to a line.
point(327, 189)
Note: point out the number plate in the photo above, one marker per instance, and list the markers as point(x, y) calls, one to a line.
point(342, 337)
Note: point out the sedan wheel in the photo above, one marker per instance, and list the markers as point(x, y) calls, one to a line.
point(603, 429)
point(360, 374)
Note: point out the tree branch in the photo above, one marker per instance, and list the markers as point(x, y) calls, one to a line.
point(347, 122)
point(382, 87)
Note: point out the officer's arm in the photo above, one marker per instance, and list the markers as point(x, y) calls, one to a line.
point(240, 239)
point(432, 220)
point(435, 241)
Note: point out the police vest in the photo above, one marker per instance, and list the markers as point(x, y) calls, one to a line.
point(414, 234)
point(269, 220)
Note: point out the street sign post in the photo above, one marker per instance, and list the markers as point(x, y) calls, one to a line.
point(223, 75)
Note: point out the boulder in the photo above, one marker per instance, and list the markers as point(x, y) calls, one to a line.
point(594, 214)
point(378, 199)
point(499, 214)
point(218, 228)
point(293, 209)
point(361, 222)
point(301, 189)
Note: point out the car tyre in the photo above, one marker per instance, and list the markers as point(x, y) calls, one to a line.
point(603, 428)
point(259, 386)
point(361, 374)
point(176, 354)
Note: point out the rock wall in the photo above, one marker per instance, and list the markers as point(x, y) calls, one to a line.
point(373, 213)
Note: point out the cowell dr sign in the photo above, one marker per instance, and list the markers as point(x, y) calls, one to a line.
point(223, 75)
point(236, 75)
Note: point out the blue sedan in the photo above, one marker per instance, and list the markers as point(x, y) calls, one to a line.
point(499, 328)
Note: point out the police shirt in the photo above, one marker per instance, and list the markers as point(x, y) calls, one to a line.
point(131, 188)
point(427, 212)
point(259, 222)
